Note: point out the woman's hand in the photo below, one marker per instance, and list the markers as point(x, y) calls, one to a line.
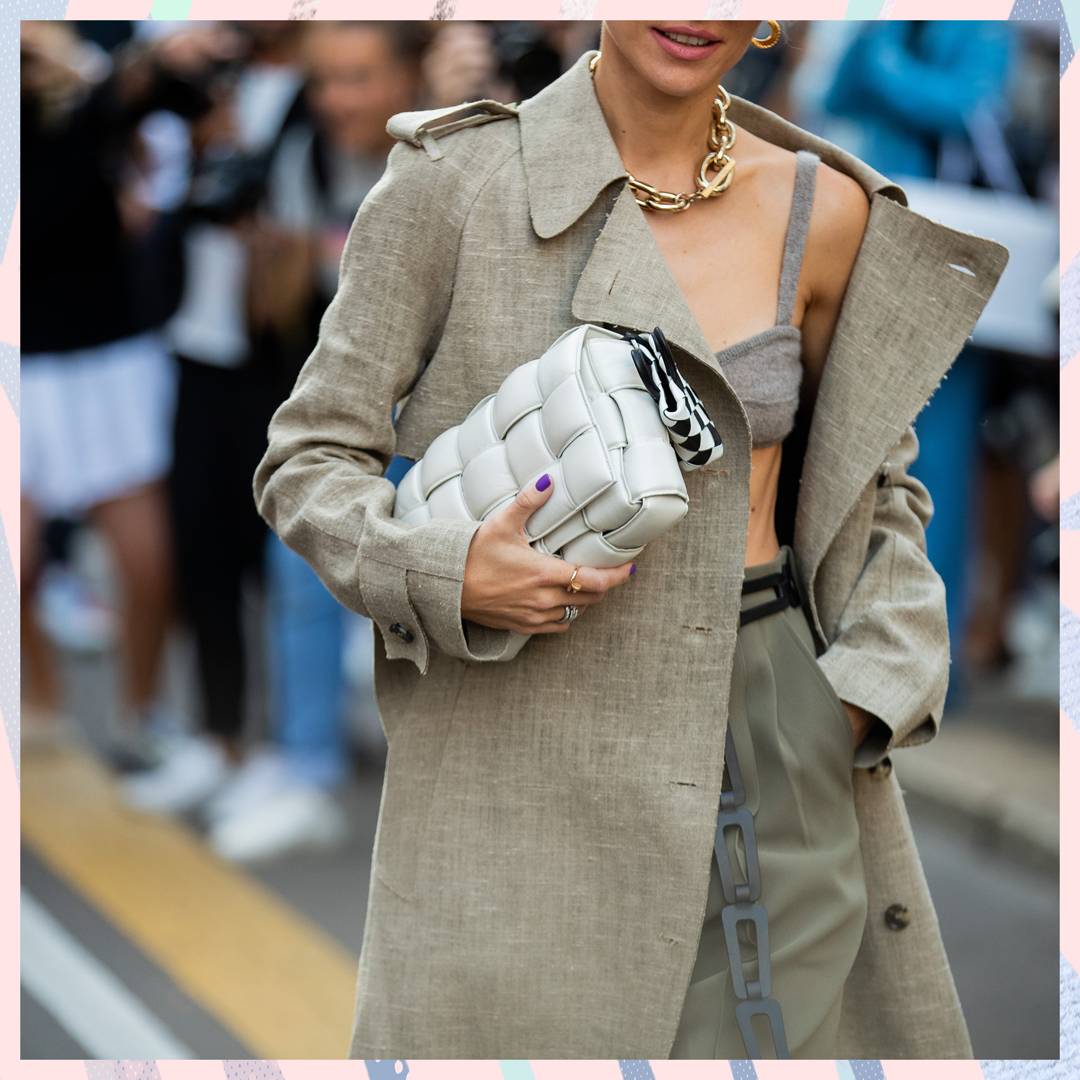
point(509, 586)
point(861, 721)
point(460, 64)
point(191, 51)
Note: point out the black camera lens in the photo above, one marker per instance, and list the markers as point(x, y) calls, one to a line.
point(525, 57)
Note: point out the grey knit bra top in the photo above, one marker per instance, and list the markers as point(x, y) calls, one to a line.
point(765, 370)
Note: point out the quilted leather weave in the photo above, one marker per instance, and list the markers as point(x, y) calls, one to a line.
point(581, 413)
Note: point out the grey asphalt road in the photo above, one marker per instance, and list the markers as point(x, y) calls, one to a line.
point(999, 921)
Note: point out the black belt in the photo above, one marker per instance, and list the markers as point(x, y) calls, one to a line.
point(785, 586)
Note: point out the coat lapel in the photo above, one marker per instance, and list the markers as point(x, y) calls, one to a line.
point(916, 290)
point(626, 281)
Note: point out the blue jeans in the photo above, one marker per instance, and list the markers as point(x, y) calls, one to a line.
point(307, 678)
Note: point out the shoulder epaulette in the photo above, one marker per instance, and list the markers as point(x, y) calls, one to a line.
point(423, 127)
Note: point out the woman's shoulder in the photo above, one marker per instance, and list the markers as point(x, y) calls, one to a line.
point(838, 219)
point(785, 135)
point(841, 207)
point(840, 204)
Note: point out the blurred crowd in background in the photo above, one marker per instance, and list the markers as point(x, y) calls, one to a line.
point(186, 193)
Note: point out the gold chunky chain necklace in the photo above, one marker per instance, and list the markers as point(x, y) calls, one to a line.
point(721, 140)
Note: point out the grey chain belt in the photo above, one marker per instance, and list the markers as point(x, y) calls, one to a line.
point(742, 899)
point(742, 902)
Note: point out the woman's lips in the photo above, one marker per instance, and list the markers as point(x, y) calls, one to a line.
point(685, 52)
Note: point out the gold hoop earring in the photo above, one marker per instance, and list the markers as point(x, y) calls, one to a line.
point(772, 39)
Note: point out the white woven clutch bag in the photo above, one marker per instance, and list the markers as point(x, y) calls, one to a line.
point(608, 415)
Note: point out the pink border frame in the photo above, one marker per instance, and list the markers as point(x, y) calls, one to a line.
point(10, 1064)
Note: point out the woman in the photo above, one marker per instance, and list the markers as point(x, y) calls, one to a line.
point(543, 880)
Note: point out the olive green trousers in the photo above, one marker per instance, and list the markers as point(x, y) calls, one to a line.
point(795, 751)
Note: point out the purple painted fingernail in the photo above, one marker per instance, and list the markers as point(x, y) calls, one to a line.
point(633, 568)
point(543, 483)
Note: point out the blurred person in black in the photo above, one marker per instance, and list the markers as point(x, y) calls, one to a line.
point(96, 380)
point(357, 75)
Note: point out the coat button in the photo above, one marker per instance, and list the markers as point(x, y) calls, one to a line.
point(897, 916)
point(881, 770)
point(402, 632)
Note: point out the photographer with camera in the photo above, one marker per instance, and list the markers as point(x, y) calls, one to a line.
point(225, 396)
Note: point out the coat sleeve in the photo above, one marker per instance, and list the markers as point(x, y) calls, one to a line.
point(891, 652)
point(320, 484)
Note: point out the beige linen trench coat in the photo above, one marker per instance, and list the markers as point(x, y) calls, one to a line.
point(541, 863)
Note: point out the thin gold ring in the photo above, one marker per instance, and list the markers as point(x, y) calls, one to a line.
point(572, 585)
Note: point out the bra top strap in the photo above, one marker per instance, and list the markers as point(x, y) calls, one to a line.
point(802, 201)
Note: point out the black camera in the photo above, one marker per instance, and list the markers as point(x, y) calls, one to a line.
point(525, 57)
point(227, 185)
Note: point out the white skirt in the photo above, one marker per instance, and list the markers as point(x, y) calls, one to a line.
point(96, 423)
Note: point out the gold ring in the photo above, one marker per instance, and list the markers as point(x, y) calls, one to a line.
point(572, 585)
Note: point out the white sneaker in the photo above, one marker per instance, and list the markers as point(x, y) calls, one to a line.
point(193, 767)
point(261, 775)
point(299, 817)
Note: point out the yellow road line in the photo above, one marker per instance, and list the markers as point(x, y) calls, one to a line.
point(267, 973)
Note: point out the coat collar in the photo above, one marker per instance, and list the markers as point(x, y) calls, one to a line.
point(567, 150)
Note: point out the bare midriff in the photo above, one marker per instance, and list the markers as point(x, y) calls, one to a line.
point(761, 541)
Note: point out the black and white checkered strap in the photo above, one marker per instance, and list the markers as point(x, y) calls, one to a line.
point(693, 435)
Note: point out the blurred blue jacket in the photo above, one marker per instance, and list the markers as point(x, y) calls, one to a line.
point(910, 84)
